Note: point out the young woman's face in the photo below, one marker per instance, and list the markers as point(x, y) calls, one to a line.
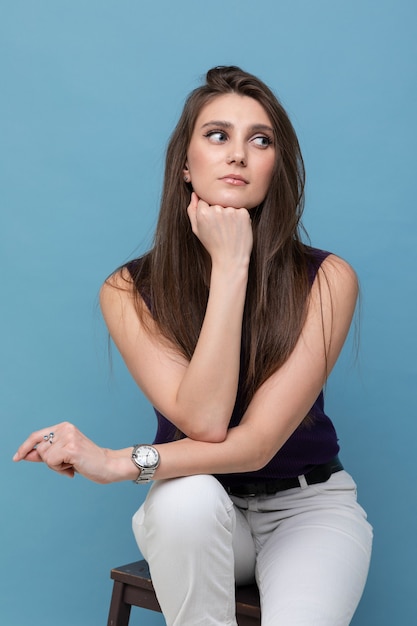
point(231, 156)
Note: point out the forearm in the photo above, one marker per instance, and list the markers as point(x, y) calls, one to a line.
point(285, 398)
point(239, 452)
point(207, 392)
point(197, 395)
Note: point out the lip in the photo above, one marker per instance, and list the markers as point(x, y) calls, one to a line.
point(235, 179)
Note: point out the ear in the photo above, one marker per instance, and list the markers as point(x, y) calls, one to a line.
point(186, 173)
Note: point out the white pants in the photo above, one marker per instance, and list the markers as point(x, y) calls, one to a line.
point(309, 550)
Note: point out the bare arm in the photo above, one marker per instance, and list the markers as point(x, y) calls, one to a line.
point(282, 402)
point(276, 410)
point(197, 396)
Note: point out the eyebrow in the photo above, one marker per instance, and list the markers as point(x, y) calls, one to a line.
point(223, 124)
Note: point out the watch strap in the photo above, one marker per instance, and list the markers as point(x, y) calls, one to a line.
point(145, 475)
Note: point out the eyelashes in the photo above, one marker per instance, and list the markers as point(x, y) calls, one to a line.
point(218, 136)
point(262, 141)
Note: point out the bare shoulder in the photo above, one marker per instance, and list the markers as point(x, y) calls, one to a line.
point(118, 297)
point(339, 276)
point(120, 280)
point(127, 316)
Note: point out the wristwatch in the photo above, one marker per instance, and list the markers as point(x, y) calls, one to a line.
point(146, 458)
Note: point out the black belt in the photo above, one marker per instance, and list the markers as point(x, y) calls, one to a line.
point(319, 474)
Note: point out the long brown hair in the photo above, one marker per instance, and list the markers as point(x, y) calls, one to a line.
point(172, 274)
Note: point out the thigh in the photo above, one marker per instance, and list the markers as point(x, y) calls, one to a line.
point(191, 512)
point(313, 562)
point(184, 512)
point(197, 543)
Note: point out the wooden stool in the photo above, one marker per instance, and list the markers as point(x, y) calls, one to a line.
point(133, 587)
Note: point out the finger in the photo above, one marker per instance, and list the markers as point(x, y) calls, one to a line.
point(64, 468)
point(192, 211)
point(193, 202)
point(31, 442)
point(33, 457)
point(70, 472)
point(54, 455)
point(206, 211)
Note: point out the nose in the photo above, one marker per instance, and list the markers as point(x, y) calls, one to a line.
point(237, 155)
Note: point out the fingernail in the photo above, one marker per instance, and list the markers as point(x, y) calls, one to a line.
point(15, 457)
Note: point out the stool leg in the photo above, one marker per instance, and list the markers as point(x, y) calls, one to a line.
point(246, 620)
point(119, 612)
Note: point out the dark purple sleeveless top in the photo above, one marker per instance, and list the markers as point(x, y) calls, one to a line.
point(312, 443)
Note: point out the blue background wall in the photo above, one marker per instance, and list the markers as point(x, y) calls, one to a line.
point(90, 91)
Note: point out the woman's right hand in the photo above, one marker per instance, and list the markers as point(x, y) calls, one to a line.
point(72, 452)
point(196, 395)
point(225, 232)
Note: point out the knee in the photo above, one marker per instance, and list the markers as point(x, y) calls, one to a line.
point(190, 507)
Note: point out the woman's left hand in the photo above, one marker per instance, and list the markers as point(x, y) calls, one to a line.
point(66, 450)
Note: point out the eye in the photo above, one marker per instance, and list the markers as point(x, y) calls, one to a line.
point(216, 136)
point(263, 141)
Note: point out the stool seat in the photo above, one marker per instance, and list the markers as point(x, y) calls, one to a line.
point(133, 587)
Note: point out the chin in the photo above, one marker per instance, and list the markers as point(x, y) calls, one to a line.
point(232, 200)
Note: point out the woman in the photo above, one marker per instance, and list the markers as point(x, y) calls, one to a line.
point(230, 325)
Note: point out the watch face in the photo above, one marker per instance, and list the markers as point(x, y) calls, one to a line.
point(146, 456)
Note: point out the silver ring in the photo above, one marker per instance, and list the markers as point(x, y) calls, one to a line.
point(49, 437)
